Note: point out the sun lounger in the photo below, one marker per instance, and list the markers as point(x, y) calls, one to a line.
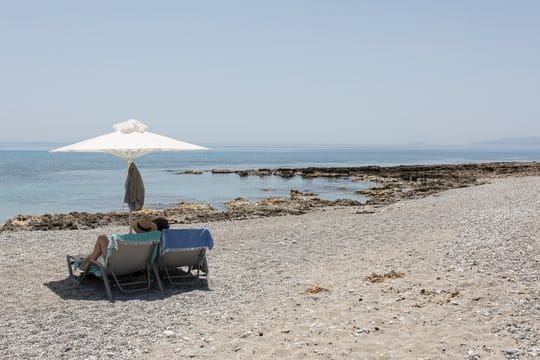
point(182, 255)
point(126, 255)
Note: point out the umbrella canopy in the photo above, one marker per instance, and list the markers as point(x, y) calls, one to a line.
point(130, 140)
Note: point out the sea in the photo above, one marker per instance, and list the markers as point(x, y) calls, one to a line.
point(35, 181)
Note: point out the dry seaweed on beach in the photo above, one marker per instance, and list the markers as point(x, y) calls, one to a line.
point(448, 298)
point(315, 290)
point(439, 297)
point(379, 278)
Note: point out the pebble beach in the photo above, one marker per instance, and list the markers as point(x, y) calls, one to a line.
point(452, 275)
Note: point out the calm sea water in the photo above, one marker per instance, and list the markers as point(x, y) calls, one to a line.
point(34, 181)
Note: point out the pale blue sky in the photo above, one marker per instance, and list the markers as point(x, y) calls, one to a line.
point(295, 72)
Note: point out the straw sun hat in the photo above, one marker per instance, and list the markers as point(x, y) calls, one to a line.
point(144, 224)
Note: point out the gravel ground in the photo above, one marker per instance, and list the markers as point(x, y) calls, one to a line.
point(297, 287)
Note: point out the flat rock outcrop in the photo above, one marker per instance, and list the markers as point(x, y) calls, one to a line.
point(404, 172)
point(183, 213)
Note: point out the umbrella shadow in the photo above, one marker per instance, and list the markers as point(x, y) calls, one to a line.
point(92, 289)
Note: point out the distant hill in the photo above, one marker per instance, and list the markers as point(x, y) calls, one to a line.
point(522, 141)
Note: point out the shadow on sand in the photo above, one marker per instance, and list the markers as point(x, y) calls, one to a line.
point(92, 289)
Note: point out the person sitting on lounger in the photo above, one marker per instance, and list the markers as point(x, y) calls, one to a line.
point(144, 224)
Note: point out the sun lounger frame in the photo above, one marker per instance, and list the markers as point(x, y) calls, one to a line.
point(118, 266)
point(180, 248)
point(192, 258)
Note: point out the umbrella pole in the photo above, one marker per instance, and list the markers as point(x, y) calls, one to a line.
point(130, 221)
point(130, 211)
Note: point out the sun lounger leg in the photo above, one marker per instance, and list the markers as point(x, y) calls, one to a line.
point(168, 275)
point(69, 260)
point(156, 274)
point(70, 269)
point(204, 266)
point(123, 286)
point(107, 288)
point(105, 279)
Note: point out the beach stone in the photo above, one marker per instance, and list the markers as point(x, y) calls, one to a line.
point(511, 352)
point(472, 355)
point(190, 172)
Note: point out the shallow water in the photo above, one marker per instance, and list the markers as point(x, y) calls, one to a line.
point(35, 181)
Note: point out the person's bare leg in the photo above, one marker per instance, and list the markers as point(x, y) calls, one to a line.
point(103, 241)
point(100, 248)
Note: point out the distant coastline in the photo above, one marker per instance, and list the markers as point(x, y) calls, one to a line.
point(507, 143)
point(531, 141)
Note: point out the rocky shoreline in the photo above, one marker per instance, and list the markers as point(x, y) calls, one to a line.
point(394, 183)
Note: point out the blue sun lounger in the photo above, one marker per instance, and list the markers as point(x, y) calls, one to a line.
point(182, 254)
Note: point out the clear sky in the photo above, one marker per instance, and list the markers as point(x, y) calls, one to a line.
point(294, 72)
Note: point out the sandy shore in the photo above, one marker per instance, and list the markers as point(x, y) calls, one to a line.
point(470, 287)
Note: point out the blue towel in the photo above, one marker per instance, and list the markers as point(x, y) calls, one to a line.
point(185, 239)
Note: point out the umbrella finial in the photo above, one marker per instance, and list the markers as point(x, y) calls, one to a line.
point(132, 125)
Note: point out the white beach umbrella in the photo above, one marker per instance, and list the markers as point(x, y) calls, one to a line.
point(130, 140)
